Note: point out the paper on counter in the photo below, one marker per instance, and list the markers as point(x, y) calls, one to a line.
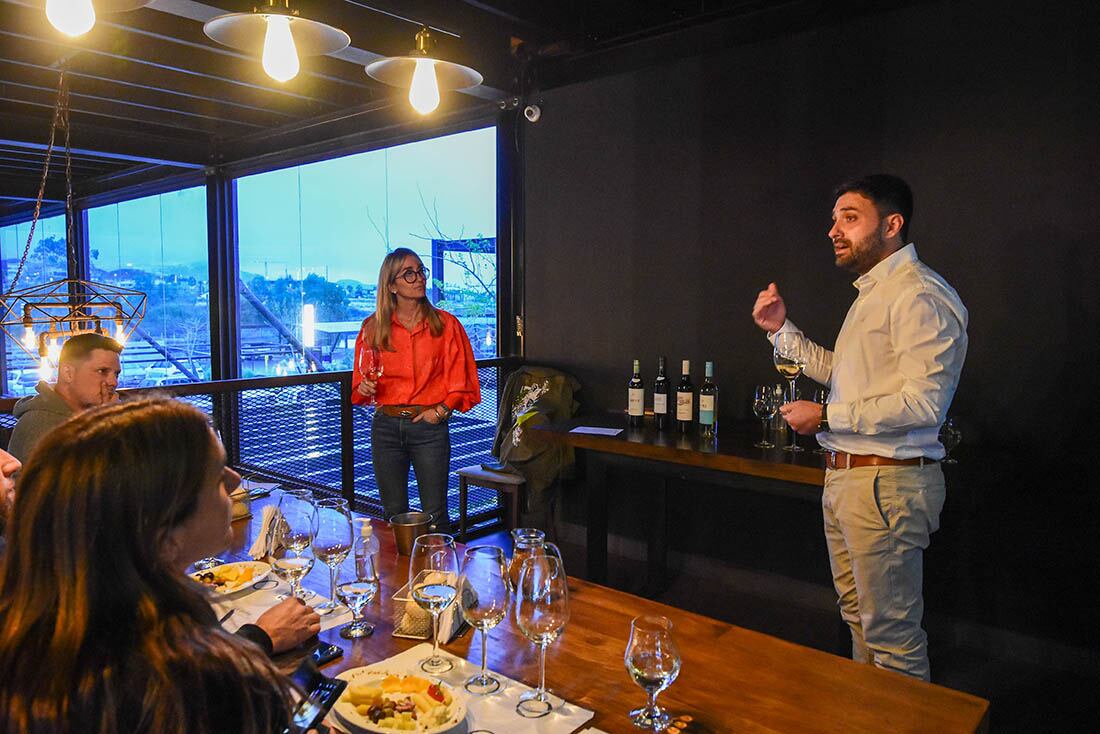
point(597, 431)
point(250, 606)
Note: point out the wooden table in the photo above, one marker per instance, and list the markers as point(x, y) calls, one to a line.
point(670, 454)
point(732, 680)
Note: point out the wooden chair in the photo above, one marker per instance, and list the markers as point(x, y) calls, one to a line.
point(503, 482)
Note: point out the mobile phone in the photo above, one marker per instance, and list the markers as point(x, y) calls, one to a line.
point(319, 694)
point(325, 653)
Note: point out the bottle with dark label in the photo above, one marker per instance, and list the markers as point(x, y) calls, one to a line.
point(660, 397)
point(685, 399)
point(635, 390)
point(708, 404)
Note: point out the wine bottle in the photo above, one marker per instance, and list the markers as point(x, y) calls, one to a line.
point(685, 399)
point(708, 403)
point(635, 390)
point(660, 397)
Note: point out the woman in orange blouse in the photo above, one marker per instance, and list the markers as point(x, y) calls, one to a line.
point(428, 372)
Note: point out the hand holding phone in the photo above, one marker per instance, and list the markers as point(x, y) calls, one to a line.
point(319, 694)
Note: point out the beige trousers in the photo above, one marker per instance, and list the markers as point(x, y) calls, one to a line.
point(878, 520)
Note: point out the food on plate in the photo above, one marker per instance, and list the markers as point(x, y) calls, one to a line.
point(228, 577)
point(401, 703)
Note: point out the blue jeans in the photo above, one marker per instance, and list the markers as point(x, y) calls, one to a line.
point(398, 442)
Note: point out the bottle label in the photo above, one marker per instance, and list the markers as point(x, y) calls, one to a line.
point(660, 404)
point(636, 401)
point(706, 409)
point(685, 405)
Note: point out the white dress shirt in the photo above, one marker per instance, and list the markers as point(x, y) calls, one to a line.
point(896, 363)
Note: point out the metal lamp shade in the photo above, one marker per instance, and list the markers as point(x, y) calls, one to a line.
point(397, 71)
point(246, 31)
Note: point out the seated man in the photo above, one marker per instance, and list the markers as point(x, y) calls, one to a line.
point(87, 376)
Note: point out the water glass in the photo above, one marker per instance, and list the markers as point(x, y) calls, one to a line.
point(542, 611)
point(653, 662)
point(433, 584)
point(483, 593)
point(332, 543)
point(764, 406)
point(290, 541)
point(357, 591)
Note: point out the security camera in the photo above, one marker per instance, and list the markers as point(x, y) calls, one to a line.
point(532, 112)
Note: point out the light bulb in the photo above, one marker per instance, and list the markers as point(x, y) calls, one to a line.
point(280, 56)
point(424, 91)
point(120, 334)
point(54, 350)
point(71, 17)
point(30, 341)
point(45, 371)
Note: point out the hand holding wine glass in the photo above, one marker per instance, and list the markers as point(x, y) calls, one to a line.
point(789, 362)
point(433, 582)
point(483, 597)
point(653, 662)
point(369, 366)
point(542, 611)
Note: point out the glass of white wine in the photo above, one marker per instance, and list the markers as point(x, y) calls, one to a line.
point(653, 662)
point(789, 363)
point(332, 543)
point(483, 598)
point(764, 407)
point(357, 590)
point(542, 611)
point(290, 540)
point(433, 583)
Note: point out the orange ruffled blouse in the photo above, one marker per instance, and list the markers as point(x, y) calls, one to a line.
point(424, 370)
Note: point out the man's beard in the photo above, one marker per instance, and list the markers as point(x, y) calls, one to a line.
point(865, 253)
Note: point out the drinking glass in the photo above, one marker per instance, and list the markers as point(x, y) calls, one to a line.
point(764, 406)
point(483, 598)
point(332, 543)
point(357, 591)
point(821, 397)
point(950, 437)
point(433, 583)
point(542, 610)
point(653, 662)
point(789, 363)
point(293, 529)
point(370, 366)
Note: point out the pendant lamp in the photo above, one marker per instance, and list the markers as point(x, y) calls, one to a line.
point(424, 76)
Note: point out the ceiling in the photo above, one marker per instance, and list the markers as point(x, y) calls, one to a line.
point(150, 94)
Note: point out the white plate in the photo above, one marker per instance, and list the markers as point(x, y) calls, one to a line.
point(260, 572)
point(348, 716)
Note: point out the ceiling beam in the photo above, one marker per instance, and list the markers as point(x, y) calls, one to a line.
point(26, 133)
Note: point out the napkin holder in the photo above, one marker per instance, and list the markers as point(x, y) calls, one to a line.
point(242, 503)
point(412, 622)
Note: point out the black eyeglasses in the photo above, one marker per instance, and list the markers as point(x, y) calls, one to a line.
point(410, 276)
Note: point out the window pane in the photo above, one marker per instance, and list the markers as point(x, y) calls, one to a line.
point(312, 238)
point(157, 245)
point(47, 261)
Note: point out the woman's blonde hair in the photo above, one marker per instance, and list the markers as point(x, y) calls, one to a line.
point(377, 326)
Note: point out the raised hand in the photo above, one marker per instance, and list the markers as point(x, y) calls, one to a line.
point(769, 312)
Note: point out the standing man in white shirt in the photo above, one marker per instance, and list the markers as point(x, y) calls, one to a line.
point(892, 375)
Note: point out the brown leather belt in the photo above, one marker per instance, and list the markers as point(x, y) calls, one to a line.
point(404, 411)
point(841, 460)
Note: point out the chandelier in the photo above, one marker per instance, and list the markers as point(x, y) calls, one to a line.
point(40, 318)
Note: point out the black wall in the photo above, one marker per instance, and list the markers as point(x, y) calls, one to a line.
point(659, 202)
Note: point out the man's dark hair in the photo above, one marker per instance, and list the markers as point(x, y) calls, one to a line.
point(890, 195)
point(78, 348)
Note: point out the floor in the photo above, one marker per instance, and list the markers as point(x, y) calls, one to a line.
point(1024, 698)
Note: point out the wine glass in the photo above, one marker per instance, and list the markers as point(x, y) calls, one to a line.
point(789, 363)
point(293, 529)
point(433, 583)
point(483, 598)
point(357, 591)
point(821, 397)
point(370, 366)
point(542, 610)
point(764, 406)
point(653, 662)
point(332, 543)
point(950, 437)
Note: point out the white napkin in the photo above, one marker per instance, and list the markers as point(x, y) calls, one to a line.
point(249, 606)
point(496, 712)
point(259, 546)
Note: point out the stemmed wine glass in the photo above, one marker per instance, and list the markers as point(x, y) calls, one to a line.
point(821, 397)
point(764, 406)
point(790, 365)
point(483, 597)
point(332, 543)
point(433, 583)
point(370, 366)
point(357, 592)
point(542, 610)
point(950, 437)
point(653, 662)
point(293, 529)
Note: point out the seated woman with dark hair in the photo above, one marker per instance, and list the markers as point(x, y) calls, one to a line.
point(100, 632)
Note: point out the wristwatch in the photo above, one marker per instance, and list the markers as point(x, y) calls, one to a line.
point(824, 425)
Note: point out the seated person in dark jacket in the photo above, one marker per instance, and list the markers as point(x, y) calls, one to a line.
point(100, 631)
